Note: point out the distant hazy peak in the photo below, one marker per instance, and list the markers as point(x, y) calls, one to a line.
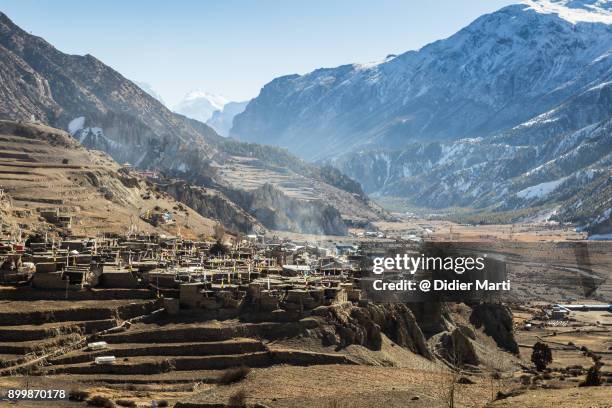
point(222, 120)
point(575, 11)
point(216, 100)
point(200, 105)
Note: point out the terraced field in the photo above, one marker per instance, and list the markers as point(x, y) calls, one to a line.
point(42, 168)
point(48, 340)
point(247, 173)
point(32, 332)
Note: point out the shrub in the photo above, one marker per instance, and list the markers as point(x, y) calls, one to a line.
point(218, 248)
point(237, 399)
point(234, 374)
point(464, 380)
point(126, 403)
point(78, 395)
point(593, 377)
point(100, 401)
point(541, 355)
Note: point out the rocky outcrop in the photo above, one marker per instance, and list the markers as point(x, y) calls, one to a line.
point(276, 210)
point(456, 347)
point(212, 204)
point(265, 207)
point(347, 324)
point(496, 319)
point(432, 317)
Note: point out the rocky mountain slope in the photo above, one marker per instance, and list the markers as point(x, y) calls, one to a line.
point(566, 173)
point(105, 111)
point(501, 70)
point(45, 169)
point(151, 91)
point(510, 113)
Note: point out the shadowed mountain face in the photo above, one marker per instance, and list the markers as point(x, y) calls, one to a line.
point(511, 112)
point(105, 111)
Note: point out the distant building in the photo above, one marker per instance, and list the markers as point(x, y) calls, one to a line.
point(295, 270)
point(586, 307)
point(345, 249)
point(558, 313)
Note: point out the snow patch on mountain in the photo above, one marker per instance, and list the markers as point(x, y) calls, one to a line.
point(575, 11)
point(540, 190)
point(600, 237)
point(76, 124)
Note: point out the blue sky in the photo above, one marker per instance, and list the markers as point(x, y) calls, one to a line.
point(233, 48)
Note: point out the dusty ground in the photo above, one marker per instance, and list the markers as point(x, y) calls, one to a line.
point(358, 386)
point(51, 305)
point(450, 231)
point(587, 397)
point(288, 386)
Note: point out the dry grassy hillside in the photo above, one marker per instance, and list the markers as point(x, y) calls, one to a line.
point(42, 168)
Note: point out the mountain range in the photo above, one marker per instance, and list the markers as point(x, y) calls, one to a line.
point(243, 185)
point(510, 115)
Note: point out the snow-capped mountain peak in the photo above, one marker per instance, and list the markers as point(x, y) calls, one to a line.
point(501, 70)
point(216, 100)
point(575, 11)
point(200, 105)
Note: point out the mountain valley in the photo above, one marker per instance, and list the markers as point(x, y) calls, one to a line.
point(506, 120)
point(105, 111)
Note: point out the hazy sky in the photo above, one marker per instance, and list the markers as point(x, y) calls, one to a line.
point(233, 48)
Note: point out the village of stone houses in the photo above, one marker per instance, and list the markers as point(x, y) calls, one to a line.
point(159, 319)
